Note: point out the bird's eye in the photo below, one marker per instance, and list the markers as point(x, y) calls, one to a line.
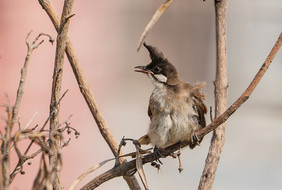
point(156, 70)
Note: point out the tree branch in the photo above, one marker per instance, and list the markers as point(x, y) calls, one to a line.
point(87, 93)
point(13, 112)
point(124, 168)
point(221, 85)
point(55, 149)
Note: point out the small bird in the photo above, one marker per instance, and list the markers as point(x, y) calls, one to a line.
point(176, 108)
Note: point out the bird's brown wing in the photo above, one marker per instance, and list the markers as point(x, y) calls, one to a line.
point(199, 107)
point(201, 110)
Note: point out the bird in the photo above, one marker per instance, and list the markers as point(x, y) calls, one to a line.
point(176, 109)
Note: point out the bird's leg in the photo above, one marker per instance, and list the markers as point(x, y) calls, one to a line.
point(179, 159)
point(157, 154)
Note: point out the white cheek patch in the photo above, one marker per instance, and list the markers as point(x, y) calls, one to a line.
point(161, 78)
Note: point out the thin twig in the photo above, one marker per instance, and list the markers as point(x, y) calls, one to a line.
point(25, 126)
point(125, 167)
point(13, 114)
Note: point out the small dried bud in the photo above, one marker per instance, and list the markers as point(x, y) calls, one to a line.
point(77, 134)
point(68, 131)
point(123, 143)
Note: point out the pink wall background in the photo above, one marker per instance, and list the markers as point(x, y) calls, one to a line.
point(105, 35)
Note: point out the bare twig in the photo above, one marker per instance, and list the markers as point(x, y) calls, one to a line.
point(26, 157)
point(153, 21)
point(53, 180)
point(87, 93)
point(25, 126)
point(13, 113)
point(41, 179)
point(221, 85)
point(125, 167)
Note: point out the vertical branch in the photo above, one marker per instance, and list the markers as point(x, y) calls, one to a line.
point(55, 149)
point(221, 86)
point(87, 94)
point(5, 151)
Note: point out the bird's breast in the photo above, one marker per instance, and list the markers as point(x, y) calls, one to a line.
point(170, 121)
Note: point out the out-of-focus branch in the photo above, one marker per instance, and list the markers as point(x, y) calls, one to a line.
point(221, 85)
point(123, 169)
point(53, 180)
point(12, 112)
point(25, 157)
point(87, 93)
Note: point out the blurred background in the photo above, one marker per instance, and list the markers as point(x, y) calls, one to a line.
point(105, 36)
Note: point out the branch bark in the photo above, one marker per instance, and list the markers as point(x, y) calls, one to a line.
point(55, 149)
point(87, 93)
point(221, 85)
point(124, 168)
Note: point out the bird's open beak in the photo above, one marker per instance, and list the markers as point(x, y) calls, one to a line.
point(142, 69)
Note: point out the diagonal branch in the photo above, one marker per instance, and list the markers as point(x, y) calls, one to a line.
point(87, 93)
point(123, 169)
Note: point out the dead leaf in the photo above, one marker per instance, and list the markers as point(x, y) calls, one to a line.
point(153, 21)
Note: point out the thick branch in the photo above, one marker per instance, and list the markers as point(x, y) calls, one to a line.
point(221, 85)
point(123, 169)
point(55, 156)
point(87, 93)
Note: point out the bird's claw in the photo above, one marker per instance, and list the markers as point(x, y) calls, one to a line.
point(195, 139)
point(157, 154)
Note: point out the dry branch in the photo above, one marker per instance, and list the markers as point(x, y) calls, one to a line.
point(22, 160)
point(55, 148)
point(221, 85)
point(87, 93)
point(12, 112)
point(123, 169)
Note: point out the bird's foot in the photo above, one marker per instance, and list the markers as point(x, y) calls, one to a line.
point(195, 139)
point(157, 154)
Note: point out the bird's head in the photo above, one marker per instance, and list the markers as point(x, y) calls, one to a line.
point(160, 69)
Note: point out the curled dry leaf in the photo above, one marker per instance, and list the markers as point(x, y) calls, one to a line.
point(90, 170)
point(153, 21)
point(139, 167)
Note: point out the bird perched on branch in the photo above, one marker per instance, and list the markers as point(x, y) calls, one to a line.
point(176, 108)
